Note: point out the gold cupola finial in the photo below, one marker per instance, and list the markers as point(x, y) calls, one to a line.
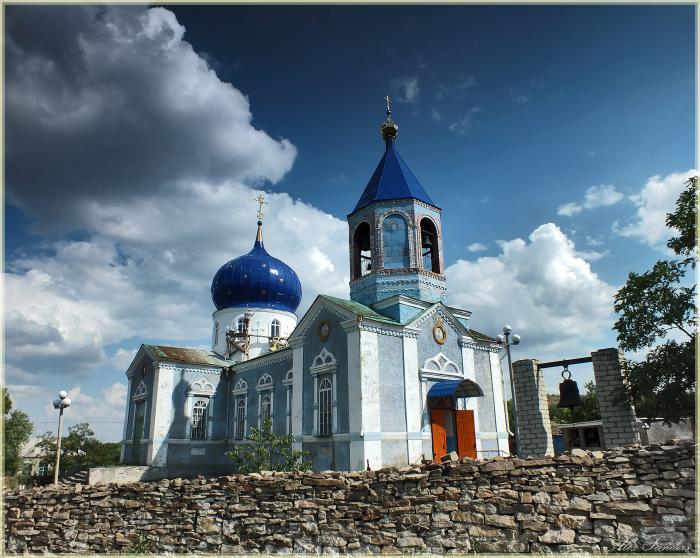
point(261, 201)
point(389, 128)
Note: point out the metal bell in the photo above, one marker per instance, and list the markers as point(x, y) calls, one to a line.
point(568, 392)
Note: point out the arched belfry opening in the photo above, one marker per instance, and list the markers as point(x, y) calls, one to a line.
point(362, 251)
point(395, 240)
point(430, 253)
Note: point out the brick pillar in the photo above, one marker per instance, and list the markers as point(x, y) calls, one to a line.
point(619, 421)
point(533, 412)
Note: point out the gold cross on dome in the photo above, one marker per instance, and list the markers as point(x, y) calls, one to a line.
point(261, 201)
point(388, 104)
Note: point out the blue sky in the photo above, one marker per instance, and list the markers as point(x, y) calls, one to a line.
point(131, 166)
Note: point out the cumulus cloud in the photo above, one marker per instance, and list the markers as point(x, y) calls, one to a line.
point(112, 102)
point(656, 199)
point(477, 247)
point(602, 195)
point(155, 161)
point(542, 287)
point(406, 88)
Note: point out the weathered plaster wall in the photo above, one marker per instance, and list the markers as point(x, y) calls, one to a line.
point(626, 499)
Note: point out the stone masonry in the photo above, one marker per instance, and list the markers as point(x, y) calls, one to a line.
point(627, 500)
point(533, 410)
point(618, 418)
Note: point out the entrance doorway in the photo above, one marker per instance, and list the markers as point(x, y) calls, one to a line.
point(453, 430)
point(139, 420)
point(452, 425)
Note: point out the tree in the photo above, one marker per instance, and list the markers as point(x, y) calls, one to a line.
point(79, 449)
point(653, 305)
point(268, 452)
point(18, 429)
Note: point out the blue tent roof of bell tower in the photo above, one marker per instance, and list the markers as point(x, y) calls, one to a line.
point(392, 180)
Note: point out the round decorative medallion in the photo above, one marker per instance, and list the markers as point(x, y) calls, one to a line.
point(439, 333)
point(324, 330)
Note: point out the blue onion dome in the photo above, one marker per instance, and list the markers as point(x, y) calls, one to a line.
point(256, 280)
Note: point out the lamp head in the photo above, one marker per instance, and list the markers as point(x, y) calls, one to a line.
point(63, 394)
point(516, 339)
point(67, 402)
point(507, 329)
point(501, 339)
point(56, 403)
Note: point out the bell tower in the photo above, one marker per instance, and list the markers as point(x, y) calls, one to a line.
point(395, 233)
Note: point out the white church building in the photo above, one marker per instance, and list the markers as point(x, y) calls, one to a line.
point(390, 377)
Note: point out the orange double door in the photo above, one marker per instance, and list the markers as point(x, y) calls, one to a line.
point(463, 426)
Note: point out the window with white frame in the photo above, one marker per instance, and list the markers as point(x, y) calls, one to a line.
point(265, 398)
point(240, 425)
point(324, 370)
point(199, 420)
point(240, 325)
point(239, 430)
point(288, 386)
point(275, 328)
point(325, 407)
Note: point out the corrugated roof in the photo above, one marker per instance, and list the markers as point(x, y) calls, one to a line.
point(481, 336)
point(392, 180)
point(190, 356)
point(361, 310)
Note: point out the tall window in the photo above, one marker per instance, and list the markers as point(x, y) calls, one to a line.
point(216, 333)
point(325, 411)
point(266, 407)
point(395, 238)
point(289, 411)
point(429, 246)
point(362, 255)
point(199, 421)
point(275, 328)
point(239, 432)
point(241, 325)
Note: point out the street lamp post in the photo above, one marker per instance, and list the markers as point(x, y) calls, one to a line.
point(507, 341)
point(61, 403)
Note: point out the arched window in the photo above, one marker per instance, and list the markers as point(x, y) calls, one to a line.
point(216, 333)
point(395, 237)
point(199, 420)
point(362, 251)
point(325, 410)
point(275, 328)
point(430, 252)
point(241, 325)
point(240, 419)
point(266, 407)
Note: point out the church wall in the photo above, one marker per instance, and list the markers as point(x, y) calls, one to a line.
point(147, 378)
point(392, 400)
point(487, 417)
point(278, 371)
point(428, 348)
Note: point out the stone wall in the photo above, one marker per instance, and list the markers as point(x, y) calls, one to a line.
point(629, 499)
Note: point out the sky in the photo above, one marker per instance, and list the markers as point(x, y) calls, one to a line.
point(554, 138)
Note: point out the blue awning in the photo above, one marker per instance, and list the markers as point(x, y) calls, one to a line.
point(455, 388)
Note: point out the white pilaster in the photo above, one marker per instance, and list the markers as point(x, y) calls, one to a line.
point(469, 367)
point(412, 394)
point(357, 452)
point(297, 395)
point(161, 417)
point(369, 388)
point(126, 421)
point(499, 403)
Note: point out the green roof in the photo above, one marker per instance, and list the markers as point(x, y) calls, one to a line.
point(361, 310)
point(480, 336)
point(190, 356)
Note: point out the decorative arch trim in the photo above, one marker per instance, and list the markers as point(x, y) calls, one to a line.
point(442, 365)
point(201, 387)
point(241, 388)
point(323, 362)
point(141, 391)
point(265, 382)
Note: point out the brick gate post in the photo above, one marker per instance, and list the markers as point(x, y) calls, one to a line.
point(533, 411)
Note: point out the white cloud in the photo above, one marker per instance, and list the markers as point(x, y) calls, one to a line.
point(656, 199)
point(477, 247)
point(406, 88)
point(521, 99)
point(455, 90)
point(435, 115)
point(602, 195)
point(465, 123)
point(542, 287)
